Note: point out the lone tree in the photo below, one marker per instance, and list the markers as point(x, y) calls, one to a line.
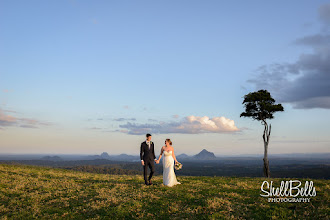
point(261, 106)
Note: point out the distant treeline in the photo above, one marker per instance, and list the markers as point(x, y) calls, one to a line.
point(193, 168)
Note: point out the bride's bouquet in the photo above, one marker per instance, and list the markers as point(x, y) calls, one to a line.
point(178, 166)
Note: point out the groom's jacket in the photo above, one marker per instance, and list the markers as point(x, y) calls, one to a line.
point(147, 154)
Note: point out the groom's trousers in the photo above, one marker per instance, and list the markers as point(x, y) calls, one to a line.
point(151, 165)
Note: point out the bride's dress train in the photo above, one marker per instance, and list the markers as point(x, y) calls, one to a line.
point(169, 178)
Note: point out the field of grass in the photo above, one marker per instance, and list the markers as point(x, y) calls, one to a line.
point(31, 192)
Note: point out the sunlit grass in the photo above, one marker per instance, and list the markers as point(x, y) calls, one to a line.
point(28, 192)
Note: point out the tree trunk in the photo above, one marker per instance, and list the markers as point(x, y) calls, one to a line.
point(266, 162)
point(265, 137)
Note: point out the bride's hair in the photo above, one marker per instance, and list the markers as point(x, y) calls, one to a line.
point(169, 141)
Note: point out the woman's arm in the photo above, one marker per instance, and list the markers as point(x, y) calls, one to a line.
point(173, 155)
point(161, 152)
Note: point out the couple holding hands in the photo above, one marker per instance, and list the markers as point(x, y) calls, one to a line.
point(147, 156)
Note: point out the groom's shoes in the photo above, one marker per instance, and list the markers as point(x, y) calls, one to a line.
point(150, 183)
point(146, 183)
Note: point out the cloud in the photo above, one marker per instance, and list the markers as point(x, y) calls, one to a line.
point(95, 128)
point(28, 126)
point(188, 125)
point(120, 130)
point(320, 102)
point(33, 121)
point(324, 14)
point(316, 40)
point(305, 83)
point(9, 111)
point(112, 119)
point(175, 116)
point(7, 120)
point(124, 119)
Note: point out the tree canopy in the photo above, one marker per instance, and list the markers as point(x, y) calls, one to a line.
point(260, 106)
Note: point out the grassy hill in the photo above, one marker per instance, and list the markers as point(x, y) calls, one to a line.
point(28, 192)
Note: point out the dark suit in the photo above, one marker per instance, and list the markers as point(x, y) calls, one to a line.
point(148, 156)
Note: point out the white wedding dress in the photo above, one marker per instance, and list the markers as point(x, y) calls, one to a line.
point(169, 178)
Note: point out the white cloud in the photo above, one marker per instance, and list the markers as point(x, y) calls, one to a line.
point(7, 120)
point(188, 125)
point(124, 119)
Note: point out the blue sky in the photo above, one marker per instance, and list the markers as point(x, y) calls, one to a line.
point(83, 76)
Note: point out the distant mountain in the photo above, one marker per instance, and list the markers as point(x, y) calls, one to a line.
point(126, 157)
point(92, 157)
point(105, 155)
point(182, 156)
point(51, 158)
point(120, 157)
point(205, 155)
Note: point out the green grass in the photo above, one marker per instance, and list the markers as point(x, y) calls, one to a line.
point(31, 192)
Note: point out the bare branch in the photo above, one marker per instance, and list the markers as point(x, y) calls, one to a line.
point(268, 136)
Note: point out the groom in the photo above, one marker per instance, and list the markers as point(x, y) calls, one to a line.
point(147, 156)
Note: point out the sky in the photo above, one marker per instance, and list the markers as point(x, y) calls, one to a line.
point(87, 77)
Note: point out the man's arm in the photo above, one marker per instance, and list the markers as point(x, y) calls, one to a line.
point(141, 152)
point(153, 151)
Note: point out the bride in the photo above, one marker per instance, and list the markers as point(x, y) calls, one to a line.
point(169, 178)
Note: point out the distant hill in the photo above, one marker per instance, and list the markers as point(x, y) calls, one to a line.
point(205, 155)
point(183, 156)
point(120, 157)
point(52, 158)
point(93, 157)
point(126, 157)
point(308, 157)
point(105, 155)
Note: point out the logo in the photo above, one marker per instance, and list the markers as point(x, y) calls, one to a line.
point(288, 191)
